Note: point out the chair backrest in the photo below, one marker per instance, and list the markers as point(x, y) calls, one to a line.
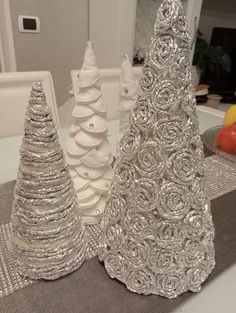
point(110, 79)
point(15, 89)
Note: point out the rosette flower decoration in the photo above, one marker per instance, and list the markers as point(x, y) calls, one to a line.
point(47, 236)
point(158, 233)
point(88, 151)
point(128, 93)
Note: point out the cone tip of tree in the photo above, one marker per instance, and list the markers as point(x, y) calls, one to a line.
point(37, 86)
point(37, 95)
point(89, 44)
point(89, 57)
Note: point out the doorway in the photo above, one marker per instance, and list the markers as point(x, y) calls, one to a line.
point(7, 51)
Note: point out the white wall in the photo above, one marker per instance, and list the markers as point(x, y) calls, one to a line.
point(112, 25)
point(60, 45)
point(217, 13)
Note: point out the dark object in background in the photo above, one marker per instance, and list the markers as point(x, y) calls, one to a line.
point(201, 99)
point(228, 97)
point(210, 58)
point(223, 80)
point(138, 58)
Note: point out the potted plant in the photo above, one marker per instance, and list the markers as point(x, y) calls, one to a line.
point(211, 58)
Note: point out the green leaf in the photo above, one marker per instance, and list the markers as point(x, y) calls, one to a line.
point(225, 63)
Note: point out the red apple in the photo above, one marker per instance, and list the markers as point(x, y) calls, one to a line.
point(226, 139)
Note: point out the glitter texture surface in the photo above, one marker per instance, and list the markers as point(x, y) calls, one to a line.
point(47, 237)
point(158, 233)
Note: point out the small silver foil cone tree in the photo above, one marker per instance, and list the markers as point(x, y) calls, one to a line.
point(47, 238)
point(157, 230)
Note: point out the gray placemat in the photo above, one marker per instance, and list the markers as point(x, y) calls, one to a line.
point(221, 179)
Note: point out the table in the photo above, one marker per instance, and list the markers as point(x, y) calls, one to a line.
point(90, 290)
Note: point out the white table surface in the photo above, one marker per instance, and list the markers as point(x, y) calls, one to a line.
point(219, 296)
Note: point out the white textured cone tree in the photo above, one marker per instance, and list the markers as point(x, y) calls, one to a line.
point(88, 151)
point(128, 93)
point(47, 238)
point(157, 228)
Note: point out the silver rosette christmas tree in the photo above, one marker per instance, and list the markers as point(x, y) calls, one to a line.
point(157, 230)
point(47, 238)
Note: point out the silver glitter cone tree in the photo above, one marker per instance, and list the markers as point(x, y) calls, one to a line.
point(47, 238)
point(88, 151)
point(157, 230)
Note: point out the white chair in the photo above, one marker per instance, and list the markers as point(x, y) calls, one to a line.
point(15, 90)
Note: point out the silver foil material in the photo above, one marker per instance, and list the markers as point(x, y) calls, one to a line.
point(47, 238)
point(157, 232)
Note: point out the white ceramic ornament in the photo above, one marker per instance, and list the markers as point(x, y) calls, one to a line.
point(79, 182)
point(89, 73)
point(87, 77)
point(125, 105)
point(75, 149)
point(70, 160)
point(108, 174)
point(101, 185)
point(82, 111)
point(91, 204)
point(98, 106)
point(95, 124)
point(88, 142)
point(96, 159)
point(89, 172)
point(88, 95)
point(86, 194)
point(74, 129)
point(93, 213)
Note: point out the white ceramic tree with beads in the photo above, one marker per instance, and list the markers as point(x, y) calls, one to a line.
point(88, 151)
